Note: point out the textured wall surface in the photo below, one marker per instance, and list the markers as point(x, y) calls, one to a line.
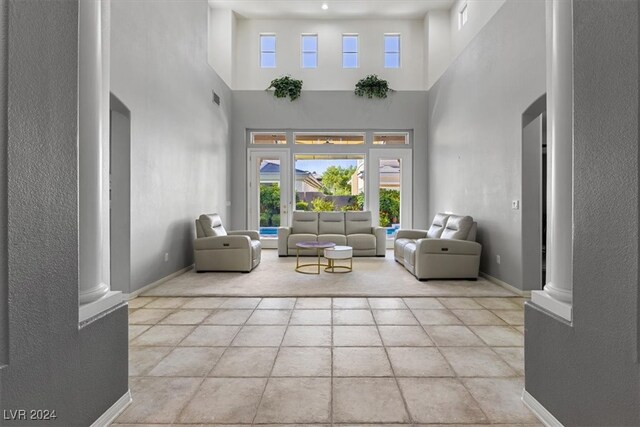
point(328, 111)
point(179, 138)
point(4, 287)
point(588, 373)
point(53, 365)
point(475, 131)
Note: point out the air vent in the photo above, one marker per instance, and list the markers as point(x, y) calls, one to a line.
point(216, 98)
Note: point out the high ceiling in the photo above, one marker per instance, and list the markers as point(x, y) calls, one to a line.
point(337, 9)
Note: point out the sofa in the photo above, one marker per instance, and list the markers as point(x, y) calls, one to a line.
point(215, 249)
point(342, 228)
point(447, 250)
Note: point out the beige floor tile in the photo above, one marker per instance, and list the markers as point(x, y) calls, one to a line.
point(165, 302)
point(440, 400)
point(313, 303)
point(140, 302)
point(158, 400)
point(362, 400)
point(307, 336)
point(225, 400)
point(453, 336)
point(186, 317)
point(436, 317)
point(148, 316)
point(418, 362)
point(163, 335)
point(269, 317)
point(351, 336)
point(512, 317)
point(514, 356)
point(311, 317)
point(296, 400)
point(210, 336)
point(228, 317)
point(246, 303)
point(423, 303)
point(500, 398)
point(187, 362)
point(277, 303)
point(143, 359)
point(353, 317)
point(478, 317)
point(350, 303)
point(460, 303)
point(205, 302)
point(303, 362)
point(259, 336)
point(499, 303)
point(404, 336)
point(476, 362)
point(396, 303)
point(394, 317)
point(136, 330)
point(361, 362)
point(520, 329)
point(245, 362)
point(499, 336)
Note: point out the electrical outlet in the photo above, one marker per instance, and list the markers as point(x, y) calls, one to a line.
point(515, 205)
point(498, 259)
point(166, 257)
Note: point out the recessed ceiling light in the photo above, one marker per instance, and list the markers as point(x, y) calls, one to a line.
point(325, 6)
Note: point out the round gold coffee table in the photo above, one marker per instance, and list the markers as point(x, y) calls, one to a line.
point(318, 246)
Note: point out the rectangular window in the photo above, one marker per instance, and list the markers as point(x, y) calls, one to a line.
point(392, 51)
point(390, 138)
point(349, 51)
point(267, 50)
point(328, 139)
point(261, 138)
point(309, 54)
point(462, 16)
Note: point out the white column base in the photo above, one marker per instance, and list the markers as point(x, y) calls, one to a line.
point(549, 303)
point(539, 411)
point(92, 309)
point(115, 410)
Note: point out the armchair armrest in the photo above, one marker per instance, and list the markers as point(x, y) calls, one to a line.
point(448, 246)
point(222, 242)
point(411, 234)
point(381, 240)
point(252, 234)
point(283, 240)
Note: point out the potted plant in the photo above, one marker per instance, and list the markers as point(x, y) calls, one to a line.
point(372, 86)
point(286, 86)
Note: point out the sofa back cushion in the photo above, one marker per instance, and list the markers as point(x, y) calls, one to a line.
point(304, 223)
point(457, 227)
point(437, 226)
point(331, 223)
point(212, 225)
point(357, 222)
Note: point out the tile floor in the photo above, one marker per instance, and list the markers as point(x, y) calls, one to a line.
point(327, 361)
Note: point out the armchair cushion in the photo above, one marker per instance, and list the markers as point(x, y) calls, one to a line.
point(212, 225)
point(358, 222)
point(457, 227)
point(252, 234)
point(448, 246)
point(222, 242)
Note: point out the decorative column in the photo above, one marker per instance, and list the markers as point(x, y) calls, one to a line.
point(557, 294)
point(93, 213)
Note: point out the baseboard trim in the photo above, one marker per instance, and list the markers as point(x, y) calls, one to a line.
point(526, 294)
point(132, 295)
point(116, 409)
point(539, 411)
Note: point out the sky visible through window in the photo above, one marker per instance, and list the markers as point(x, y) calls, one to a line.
point(319, 166)
point(267, 51)
point(392, 51)
point(350, 51)
point(310, 51)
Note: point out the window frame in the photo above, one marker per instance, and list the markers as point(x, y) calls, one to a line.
point(398, 52)
point(275, 49)
point(303, 52)
point(356, 52)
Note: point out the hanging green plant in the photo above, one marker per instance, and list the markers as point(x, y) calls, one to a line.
point(372, 86)
point(286, 86)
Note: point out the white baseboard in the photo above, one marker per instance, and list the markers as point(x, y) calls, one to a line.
point(116, 409)
point(539, 411)
point(150, 286)
point(525, 294)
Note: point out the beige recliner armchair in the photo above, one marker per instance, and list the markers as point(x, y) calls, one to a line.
point(215, 249)
point(447, 250)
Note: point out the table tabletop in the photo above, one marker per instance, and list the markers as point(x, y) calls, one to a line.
point(315, 245)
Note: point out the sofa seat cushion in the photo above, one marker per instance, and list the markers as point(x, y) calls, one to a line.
point(410, 253)
point(298, 238)
point(398, 247)
point(338, 239)
point(361, 241)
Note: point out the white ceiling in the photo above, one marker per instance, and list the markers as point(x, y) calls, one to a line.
point(338, 9)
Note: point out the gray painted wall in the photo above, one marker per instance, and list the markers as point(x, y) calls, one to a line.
point(52, 363)
point(4, 288)
point(475, 131)
point(327, 110)
point(588, 373)
point(179, 138)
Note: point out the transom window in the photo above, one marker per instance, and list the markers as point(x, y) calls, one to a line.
point(267, 50)
point(309, 54)
point(349, 51)
point(260, 138)
point(392, 51)
point(328, 139)
point(400, 138)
